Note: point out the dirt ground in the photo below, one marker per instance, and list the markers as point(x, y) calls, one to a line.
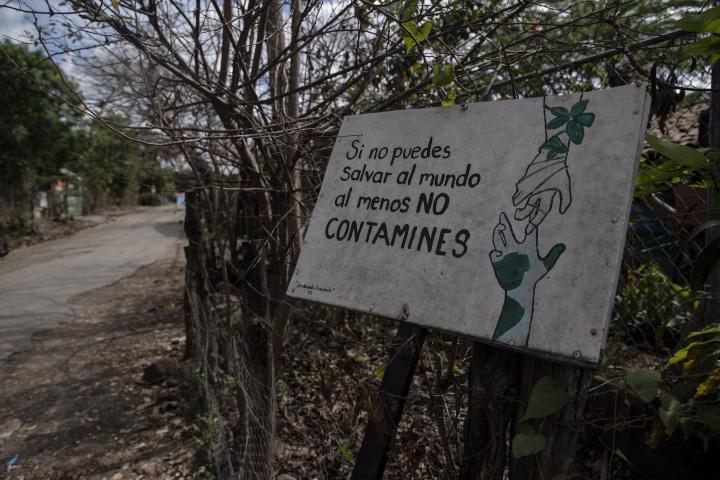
point(76, 407)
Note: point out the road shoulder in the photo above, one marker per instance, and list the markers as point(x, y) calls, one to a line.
point(76, 405)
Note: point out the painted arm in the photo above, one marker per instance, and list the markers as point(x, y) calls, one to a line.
point(518, 266)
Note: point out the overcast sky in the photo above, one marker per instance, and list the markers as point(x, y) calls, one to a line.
point(17, 26)
point(13, 23)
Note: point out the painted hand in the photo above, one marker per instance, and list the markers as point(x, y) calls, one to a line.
point(518, 266)
point(545, 185)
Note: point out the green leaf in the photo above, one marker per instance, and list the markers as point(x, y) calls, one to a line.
point(407, 10)
point(556, 122)
point(524, 444)
point(656, 177)
point(559, 111)
point(424, 31)
point(644, 383)
point(409, 40)
point(346, 454)
point(708, 21)
point(411, 27)
point(705, 425)
point(442, 75)
point(683, 353)
point(710, 418)
point(409, 43)
point(116, 5)
point(669, 412)
point(546, 398)
point(683, 155)
point(575, 131)
point(585, 119)
point(416, 35)
point(704, 46)
point(449, 101)
point(379, 371)
point(705, 331)
point(579, 107)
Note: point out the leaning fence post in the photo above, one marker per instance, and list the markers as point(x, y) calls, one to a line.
point(387, 409)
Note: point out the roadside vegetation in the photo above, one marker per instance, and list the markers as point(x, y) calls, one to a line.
point(50, 150)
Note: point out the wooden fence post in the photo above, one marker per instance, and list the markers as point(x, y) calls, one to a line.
point(193, 232)
point(492, 393)
point(562, 429)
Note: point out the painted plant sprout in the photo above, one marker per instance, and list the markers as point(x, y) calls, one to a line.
point(516, 260)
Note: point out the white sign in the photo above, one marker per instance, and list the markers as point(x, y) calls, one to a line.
point(504, 221)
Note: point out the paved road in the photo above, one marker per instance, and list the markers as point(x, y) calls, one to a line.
point(37, 283)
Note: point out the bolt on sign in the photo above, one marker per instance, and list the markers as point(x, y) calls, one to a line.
point(503, 221)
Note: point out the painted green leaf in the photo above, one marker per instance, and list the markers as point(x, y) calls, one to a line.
point(669, 412)
point(559, 112)
point(644, 383)
point(585, 119)
point(579, 107)
point(575, 131)
point(557, 122)
point(524, 444)
point(546, 398)
point(442, 75)
point(708, 21)
point(682, 154)
point(554, 144)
